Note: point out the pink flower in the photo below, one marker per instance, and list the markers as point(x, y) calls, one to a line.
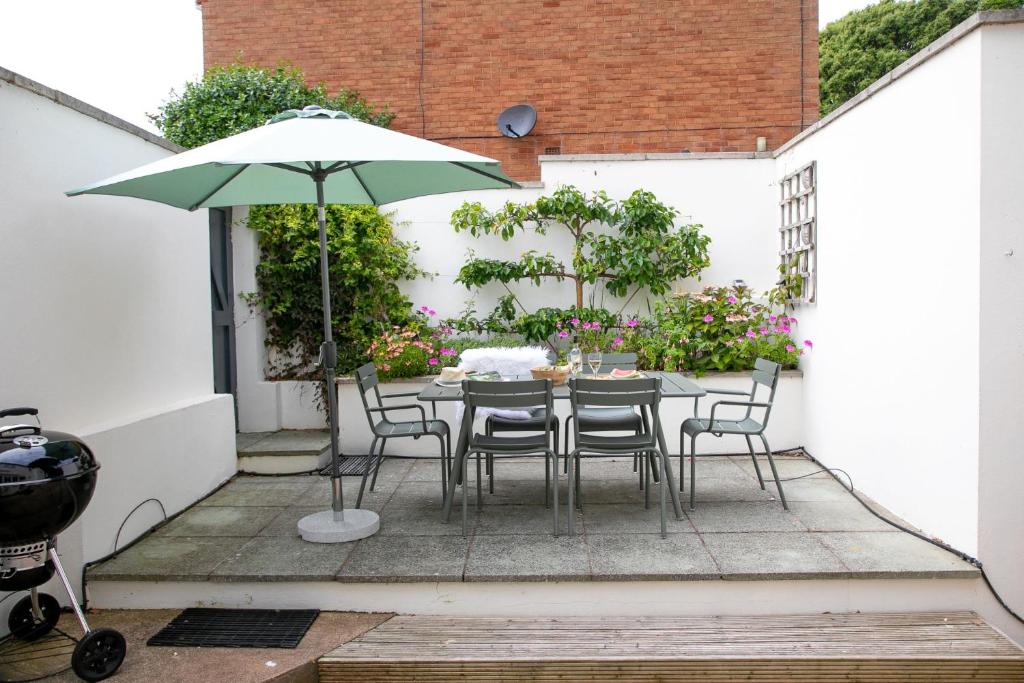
point(773, 318)
point(447, 352)
point(750, 333)
point(595, 326)
point(632, 322)
point(792, 319)
point(732, 300)
point(709, 318)
point(765, 331)
point(575, 321)
point(432, 361)
point(563, 334)
point(618, 342)
point(586, 326)
point(431, 312)
point(424, 309)
point(729, 342)
point(790, 348)
point(808, 344)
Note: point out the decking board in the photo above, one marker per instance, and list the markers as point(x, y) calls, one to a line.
point(877, 647)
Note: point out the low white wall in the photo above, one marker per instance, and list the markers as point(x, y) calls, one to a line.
point(106, 303)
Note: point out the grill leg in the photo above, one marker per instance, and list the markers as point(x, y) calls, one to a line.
point(71, 593)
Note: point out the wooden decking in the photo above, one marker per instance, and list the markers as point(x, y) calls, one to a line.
point(953, 646)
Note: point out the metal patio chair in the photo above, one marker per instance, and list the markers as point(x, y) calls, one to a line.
point(384, 428)
point(515, 395)
point(616, 419)
point(644, 394)
point(765, 374)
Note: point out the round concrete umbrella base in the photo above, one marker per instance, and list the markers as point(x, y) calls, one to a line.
point(322, 527)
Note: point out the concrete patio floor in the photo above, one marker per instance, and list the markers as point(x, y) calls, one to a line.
point(246, 531)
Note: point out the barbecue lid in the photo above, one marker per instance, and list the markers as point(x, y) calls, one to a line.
point(29, 454)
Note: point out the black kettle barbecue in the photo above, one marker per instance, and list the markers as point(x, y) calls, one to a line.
point(47, 479)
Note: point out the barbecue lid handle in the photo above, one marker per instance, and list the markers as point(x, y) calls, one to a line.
point(9, 412)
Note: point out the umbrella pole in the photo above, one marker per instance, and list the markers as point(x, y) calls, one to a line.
point(329, 352)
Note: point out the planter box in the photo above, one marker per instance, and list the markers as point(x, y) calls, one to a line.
point(297, 410)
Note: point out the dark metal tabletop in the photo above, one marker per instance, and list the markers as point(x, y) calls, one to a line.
point(673, 385)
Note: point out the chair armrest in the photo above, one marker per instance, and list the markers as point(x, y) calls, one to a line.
point(404, 394)
point(731, 392)
point(408, 406)
point(746, 404)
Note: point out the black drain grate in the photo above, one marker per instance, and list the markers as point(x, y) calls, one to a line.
point(204, 627)
point(351, 466)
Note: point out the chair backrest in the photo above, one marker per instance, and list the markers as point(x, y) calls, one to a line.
point(765, 374)
point(644, 392)
point(516, 395)
point(366, 378)
point(613, 361)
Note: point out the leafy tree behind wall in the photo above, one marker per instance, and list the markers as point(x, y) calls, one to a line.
point(866, 44)
point(366, 260)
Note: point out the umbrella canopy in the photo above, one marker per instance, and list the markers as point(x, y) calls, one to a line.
point(364, 164)
point(310, 156)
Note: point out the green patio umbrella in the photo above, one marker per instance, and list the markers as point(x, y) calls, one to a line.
point(310, 156)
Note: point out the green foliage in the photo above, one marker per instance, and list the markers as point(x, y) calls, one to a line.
point(858, 49)
point(233, 99)
point(642, 248)
point(365, 263)
point(548, 323)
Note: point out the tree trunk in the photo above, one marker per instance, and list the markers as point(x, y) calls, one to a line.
point(579, 293)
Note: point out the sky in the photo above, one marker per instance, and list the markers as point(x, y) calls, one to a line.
point(125, 56)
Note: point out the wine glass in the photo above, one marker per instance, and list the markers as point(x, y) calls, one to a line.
point(594, 361)
point(575, 362)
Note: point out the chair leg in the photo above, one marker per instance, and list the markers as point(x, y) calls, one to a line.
point(376, 470)
point(682, 458)
point(661, 492)
point(366, 472)
point(490, 462)
point(553, 462)
point(775, 472)
point(479, 484)
point(579, 486)
point(547, 479)
point(753, 456)
point(693, 469)
point(566, 470)
point(465, 496)
point(444, 468)
point(647, 481)
point(570, 461)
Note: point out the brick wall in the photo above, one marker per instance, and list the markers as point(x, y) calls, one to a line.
point(604, 75)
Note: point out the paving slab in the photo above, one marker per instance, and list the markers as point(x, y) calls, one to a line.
point(263, 494)
point(245, 440)
point(894, 554)
point(521, 519)
point(167, 558)
point(728, 489)
point(719, 466)
point(220, 521)
point(520, 557)
point(788, 466)
point(632, 518)
point(813, 489)
point(642, 557)
point(837, 515)
point(320, 491)
point(406, 520)
point(772, 555)
point(283, 558)
point(743, 516)
point(404, 559)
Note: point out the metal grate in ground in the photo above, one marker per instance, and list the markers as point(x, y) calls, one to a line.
point(206, 627)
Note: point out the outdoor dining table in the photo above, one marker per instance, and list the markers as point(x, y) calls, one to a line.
point(673, 385)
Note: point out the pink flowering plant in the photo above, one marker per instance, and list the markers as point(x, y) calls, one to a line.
point(410, 350)
point(719, 329)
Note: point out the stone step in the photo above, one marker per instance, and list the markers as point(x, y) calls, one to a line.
point(285, 452)
point(949, 646)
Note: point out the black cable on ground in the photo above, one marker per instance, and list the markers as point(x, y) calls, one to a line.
point(959, 553)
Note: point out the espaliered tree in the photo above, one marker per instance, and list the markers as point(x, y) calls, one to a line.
point(625, 245)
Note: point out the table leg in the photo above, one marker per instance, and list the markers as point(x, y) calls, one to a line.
point(461, 446)
point(670, 478)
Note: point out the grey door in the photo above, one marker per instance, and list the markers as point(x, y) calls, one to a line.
point(222, 303)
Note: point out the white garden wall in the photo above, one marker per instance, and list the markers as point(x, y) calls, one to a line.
point(106, 303)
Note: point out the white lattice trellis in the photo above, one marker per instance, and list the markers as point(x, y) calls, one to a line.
point(798, 229)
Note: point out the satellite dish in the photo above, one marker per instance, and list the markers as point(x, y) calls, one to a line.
point(517, 121)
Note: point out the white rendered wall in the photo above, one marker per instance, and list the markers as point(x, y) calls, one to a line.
point(1001, 506)
point(891, 388)
point(107, 328)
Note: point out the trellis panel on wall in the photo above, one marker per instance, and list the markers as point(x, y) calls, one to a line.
point(798, 229)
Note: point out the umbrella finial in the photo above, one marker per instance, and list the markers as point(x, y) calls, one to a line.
point(310, 111)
